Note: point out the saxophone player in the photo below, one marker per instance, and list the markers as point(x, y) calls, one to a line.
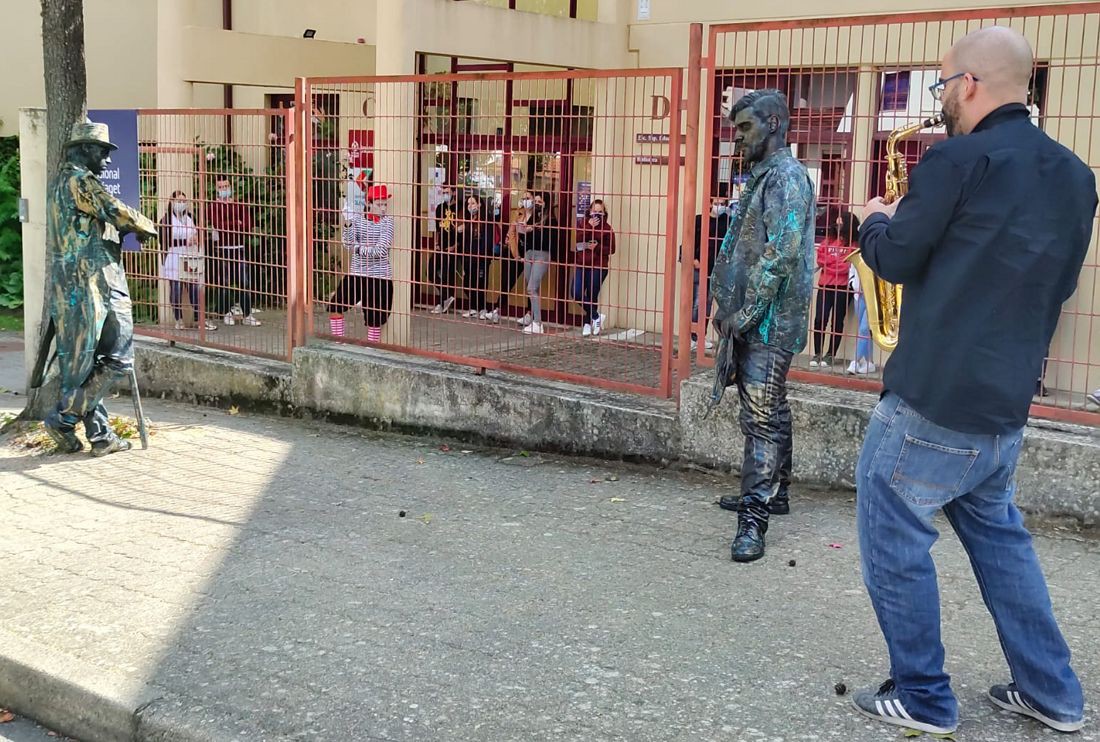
point(996, 212)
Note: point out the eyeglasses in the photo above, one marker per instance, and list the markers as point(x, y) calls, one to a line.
point(936, 89)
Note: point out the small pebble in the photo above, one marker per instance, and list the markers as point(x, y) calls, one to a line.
point(401, 514)
point(791, 563)
point(840, 689)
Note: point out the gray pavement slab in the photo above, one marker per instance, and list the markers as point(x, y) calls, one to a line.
point(255, 574)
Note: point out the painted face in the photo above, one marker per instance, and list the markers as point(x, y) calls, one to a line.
point(96, 158)
point(751, 135)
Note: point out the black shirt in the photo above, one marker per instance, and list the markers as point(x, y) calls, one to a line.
point(988, 245)
point(718, 226)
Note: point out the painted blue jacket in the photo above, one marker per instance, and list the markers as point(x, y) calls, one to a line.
point(763, 277)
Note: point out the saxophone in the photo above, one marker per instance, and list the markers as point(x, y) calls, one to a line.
point(884, 298)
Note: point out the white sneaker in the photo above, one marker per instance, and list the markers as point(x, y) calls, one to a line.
point(815, 362)
point(525, 320)
point(236, 311)
point(535, 328)
point(586, 331)
point(210, 326)
point(853, 368)
point(694, 345)
point(251, 321)
point(709, 345)
point(1094, 397)
point(437, 309)
point(228, 320)
point(448, 304)
point(483, 315)
point(469, 313)
point(179, 325)
point(494, 316)
point(870, 368)
point(597, 324)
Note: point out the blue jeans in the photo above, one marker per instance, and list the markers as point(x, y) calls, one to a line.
point(910, 468)
point(587, 283)
point(765, 421)
point(863, 344)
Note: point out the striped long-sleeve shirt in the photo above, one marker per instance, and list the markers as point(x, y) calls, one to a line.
point(369, 243)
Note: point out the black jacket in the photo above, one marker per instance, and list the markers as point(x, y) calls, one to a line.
point(988, 245)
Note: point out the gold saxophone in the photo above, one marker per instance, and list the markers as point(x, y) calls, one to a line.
point(884, 298)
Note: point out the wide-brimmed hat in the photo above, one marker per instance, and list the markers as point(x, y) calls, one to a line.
point(91, 133)
point(378, 193)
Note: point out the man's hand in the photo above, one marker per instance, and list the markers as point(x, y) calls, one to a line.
point(878, 206)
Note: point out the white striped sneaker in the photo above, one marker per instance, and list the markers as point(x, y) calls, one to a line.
point(1009, 698)
point(885, 705)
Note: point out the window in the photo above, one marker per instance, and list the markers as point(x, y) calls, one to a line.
point(895, 91)
point(585, 10)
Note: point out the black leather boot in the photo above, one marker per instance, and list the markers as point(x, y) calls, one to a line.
point(748, 546)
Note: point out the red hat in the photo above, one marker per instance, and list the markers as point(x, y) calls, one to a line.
point(378, 193)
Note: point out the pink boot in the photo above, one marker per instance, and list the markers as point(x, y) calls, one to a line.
point(336, 325)
point(374, 334)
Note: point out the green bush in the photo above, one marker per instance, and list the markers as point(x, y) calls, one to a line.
point(11, 231)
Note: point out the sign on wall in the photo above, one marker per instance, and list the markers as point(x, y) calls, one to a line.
point(121, 176)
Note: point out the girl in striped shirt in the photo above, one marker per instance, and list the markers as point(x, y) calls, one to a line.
point(369, 282)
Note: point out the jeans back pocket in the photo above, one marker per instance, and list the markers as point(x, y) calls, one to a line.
point(930, 474)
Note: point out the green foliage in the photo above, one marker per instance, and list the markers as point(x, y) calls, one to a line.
point(11, 231)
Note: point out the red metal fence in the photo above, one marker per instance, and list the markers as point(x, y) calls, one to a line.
point(850, 81)
point(465, 286)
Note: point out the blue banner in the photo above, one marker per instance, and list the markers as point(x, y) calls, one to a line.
point(121, 176)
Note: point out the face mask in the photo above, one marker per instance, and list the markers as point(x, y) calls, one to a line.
point(179, 208)
point(718, 210)
point(446, 198)
point(378, 208)
point(226, 194)
point(527, 203)
point(472, 209)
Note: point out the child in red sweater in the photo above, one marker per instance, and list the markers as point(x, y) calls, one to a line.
point(832, 291)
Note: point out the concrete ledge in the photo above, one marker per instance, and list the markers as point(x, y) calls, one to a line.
point(1058, 474)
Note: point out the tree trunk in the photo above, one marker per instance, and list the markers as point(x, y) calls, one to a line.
point(66, 104)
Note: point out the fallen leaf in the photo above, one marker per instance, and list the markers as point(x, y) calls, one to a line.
point(835, 546)
point(524, 454)
point(426, 517)
point(234, 410)
point(6, 717)
point(420, 461)
point(618, 499)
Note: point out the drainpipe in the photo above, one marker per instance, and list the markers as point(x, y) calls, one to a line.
point(227, 90)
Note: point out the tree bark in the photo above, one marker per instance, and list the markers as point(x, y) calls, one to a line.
point(66, 104)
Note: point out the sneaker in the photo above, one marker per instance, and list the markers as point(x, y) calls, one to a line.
point(64, 436)
point(251, 321)
point(469, 313)
point(826, 362)
point(885, 705)
point(525, 320)
point(597, 324)
point(815, 362)
point(694, 345)
point(437, 309)
point(779, 505)
point(853, 368)
point(708, 344)
point(228, 320)
point(494, 316)
point(1009, 698)
point(236, 311)
point(1094, 397)
point(871, 368)
point(179, 325)
point(210, 326)
point(448, 304)
point(483, 315)
point(111, 445)
point(535, 328)
point(586, 331)
point(748, 545)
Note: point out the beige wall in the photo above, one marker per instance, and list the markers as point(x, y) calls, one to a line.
point(120, 49)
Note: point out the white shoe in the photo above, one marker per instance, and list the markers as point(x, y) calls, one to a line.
point(694, 345)
point(535, 328)
point(597, 324)
point(709, 345)
point(437, 309)
point(525, 320)
point(179, 325)
point(210, 326)
point(448, 304)
point(586, 331)
point(815, 362)
point(483, 315)
point(236, 311)
point(870, 368)
point(469, 313)
point(494, 316)
point(228, 320)
point(251, 321)
point(853, 368)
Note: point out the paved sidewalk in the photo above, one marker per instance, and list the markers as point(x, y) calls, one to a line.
point(254, 574)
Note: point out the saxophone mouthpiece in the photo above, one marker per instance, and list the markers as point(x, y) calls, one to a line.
point(933, 122)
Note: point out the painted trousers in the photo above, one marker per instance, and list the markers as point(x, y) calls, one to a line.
point(765, 420)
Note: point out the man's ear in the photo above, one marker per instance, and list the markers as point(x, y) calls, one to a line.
point(773, 123)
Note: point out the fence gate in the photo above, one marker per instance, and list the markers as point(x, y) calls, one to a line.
point(850, 81)
point(451, 287)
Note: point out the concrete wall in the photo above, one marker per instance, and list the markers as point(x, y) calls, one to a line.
point(32, 174)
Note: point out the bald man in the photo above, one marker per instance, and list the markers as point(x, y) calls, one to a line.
point(988, 243)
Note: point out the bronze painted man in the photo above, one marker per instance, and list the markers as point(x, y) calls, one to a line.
point(90, 316)
point(762, 283)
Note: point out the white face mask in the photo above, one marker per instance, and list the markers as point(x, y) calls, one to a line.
point(179, 208)
point(225, 194)
point(378, 208)
point(527, 203)
point(446, 198)
point(472, 208)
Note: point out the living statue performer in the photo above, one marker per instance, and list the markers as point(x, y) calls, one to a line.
point(762, 282)
point(90, 319)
